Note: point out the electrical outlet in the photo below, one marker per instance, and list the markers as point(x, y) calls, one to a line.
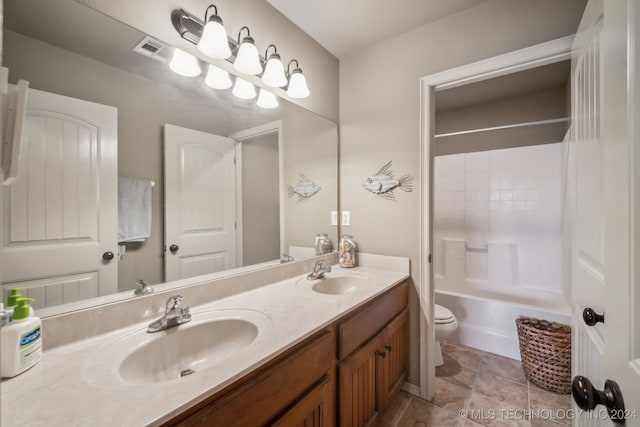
point(346, 218)
point(334, 217)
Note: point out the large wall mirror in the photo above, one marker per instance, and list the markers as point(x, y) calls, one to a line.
point(225, 182)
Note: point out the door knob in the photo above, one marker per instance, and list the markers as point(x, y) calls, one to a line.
point(107, 256)
point(382, 353)
point(174, 248)
point(388, 347)
point(587, 397)
point(590, 316)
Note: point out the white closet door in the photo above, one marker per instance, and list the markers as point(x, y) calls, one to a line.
point(60, 215)
point(200, 203)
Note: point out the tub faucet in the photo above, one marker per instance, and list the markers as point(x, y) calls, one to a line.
point(319, 269)
point(143, 288)
point(174, 314)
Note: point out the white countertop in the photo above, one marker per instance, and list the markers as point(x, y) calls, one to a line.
point(66, 389)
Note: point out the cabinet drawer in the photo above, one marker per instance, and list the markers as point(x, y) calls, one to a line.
point(367, 322)
point(315, 409)
point(263, 397)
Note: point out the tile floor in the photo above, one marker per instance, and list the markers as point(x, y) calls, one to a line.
point(476, 388)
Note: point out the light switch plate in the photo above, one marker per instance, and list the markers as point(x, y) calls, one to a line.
point(346, 218)
point(334, 217)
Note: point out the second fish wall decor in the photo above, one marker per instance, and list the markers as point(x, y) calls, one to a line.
point(383, 183)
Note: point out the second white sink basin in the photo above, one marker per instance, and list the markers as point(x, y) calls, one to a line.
point(207, 341)
point(338, 283)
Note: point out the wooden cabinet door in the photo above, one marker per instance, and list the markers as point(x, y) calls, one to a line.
point(315, 409)
point(359, 389)
point(395, 363)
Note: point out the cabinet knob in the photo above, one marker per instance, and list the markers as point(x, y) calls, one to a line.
point(107, 256)
point(382, 353)
point(388, 347)
point(587, 397)
point(590, 316)
point(174, 248)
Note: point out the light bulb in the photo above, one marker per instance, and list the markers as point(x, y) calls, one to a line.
point(298, 85)
point(213, 42)
point(217, 78)
point(248, 59)
point(184, 64)
point(274, 74)
point(267, 99)
point(243, 89)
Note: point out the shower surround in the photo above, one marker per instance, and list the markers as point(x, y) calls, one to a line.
point(498, 241)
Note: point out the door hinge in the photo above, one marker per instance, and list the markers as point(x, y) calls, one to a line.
point(429, 259)
point(235, 225)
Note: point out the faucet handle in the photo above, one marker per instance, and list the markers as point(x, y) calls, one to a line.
point(174, 302)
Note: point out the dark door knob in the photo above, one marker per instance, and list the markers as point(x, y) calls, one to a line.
point(382, 353)
point(590, 316)
point(107, 256)
point(174, 248)
point(587, 397)
point(388, 347)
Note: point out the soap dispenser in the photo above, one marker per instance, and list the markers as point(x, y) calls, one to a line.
point(12, 301)
point(21, 341)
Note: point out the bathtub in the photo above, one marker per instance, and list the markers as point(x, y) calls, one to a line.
point(486, 318)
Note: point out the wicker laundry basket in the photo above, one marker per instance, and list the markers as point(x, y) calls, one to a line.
point(545, 348)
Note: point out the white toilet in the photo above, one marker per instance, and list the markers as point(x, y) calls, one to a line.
point(445, 324)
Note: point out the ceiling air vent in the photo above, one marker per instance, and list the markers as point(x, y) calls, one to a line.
point(153, 49)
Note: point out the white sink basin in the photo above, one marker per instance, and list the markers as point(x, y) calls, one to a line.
point(209, 340)
point(338, 283)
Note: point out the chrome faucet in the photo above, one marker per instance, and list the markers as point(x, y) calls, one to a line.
point(143, 288)
point(319, 269)
point(285, 258)
point(174, 315)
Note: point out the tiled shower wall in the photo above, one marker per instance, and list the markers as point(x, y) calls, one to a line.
point(498, 218)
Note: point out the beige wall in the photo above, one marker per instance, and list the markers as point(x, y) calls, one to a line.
point(380, 112)
point(535, 106)
point(267, 26)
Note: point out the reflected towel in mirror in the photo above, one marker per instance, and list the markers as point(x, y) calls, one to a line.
point(134, 209)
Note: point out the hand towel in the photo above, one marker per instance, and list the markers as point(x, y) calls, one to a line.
point(134, 209)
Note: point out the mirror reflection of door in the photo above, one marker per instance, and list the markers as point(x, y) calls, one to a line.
point(62, 209)
point(259, 180)
point(200, 203)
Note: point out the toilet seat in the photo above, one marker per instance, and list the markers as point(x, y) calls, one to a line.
point(443, 315)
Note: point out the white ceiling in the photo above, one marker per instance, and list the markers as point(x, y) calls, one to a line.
point(344, 26)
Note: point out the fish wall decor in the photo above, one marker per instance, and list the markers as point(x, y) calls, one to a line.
point(304, 188)
point(383, 184)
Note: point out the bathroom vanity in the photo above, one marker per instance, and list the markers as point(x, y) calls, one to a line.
point(293, 351)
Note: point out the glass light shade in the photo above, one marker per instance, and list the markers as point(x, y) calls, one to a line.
point(213, 42)
point(298, 85)
point(267, 99)
point(184, 64)
point(243, 89)
point(217, 78)
point(274, 72)
point(248, 59)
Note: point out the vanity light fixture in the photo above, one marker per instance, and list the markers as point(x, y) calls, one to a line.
point(244, 89)
point(274, 74)
point(267, 99)
point(297, 82)
point(214, 42)
point(217, 78)
point(184, 63)
point(247, 59)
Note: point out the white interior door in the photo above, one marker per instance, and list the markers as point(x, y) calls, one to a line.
point(200, 203)
point(603, 244)
point(60, 215)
